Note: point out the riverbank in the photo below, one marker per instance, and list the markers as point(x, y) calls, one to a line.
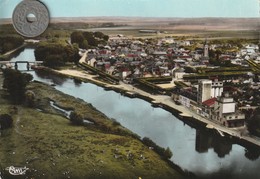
point(51, 147)
point(166, 102)
point(9, 54)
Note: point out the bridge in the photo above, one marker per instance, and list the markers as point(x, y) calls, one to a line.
point(8, 64)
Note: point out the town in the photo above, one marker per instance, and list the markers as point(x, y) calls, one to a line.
point(216, 79)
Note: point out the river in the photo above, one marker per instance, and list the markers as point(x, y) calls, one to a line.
point(198, 151)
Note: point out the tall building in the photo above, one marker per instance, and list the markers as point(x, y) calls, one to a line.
point(225, 105)
point(206, 49)
point(204, 90)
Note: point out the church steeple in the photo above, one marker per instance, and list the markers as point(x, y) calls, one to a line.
point(206, 48)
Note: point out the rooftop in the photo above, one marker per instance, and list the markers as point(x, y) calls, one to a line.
point(209, 102)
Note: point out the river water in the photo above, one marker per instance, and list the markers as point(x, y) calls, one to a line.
point(198, 151)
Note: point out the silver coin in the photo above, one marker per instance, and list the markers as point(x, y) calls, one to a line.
point(30, 18)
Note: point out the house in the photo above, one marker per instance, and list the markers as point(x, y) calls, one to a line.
point(207, 107)
point(177, 74)
point(159, 53)
point(225, 112)
point(186, 97)
point(92, 62)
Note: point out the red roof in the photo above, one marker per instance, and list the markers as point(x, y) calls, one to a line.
point(132, 55)
point(230, 88)
point(102, 52)
point(209, 102)
point(185, 56)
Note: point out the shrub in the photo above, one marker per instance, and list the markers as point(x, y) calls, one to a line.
point(76, 118)
point(15, 83)
point(160, 150)
point(6, 121)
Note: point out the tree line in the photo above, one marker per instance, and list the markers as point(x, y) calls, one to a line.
point(56, 54)
point(87, 40)
point(10, 42)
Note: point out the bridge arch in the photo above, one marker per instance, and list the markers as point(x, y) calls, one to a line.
point(16, 64)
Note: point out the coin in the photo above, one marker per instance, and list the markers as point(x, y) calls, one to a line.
point(30, 18)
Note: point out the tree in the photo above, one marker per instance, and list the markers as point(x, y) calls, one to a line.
point(99, 35)
point(76, 118)
point(212, 54)
point(9, 42)
point(30, 98)
point(77, 37)
point(15, 82)
point(92, 41)
point(106, 37)
point(168, 153)
point(89, 36)
point(6, 121)
point(53, 61)
point(71, 53)
point(56, 54)
point(84, 44)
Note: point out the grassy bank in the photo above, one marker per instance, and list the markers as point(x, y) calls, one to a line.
point(47, 143)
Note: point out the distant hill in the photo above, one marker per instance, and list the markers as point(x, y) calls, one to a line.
point(166, 23)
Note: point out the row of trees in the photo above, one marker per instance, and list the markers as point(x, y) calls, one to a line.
point(88, 39)
point(56, 54)
point(10, 42)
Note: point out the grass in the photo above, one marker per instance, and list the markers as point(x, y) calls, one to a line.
point(185, 33)
point(51, 147)
point(46, 93)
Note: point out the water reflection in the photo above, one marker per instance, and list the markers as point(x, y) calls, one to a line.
point(206, 140)
point(252, 153)
point(55, 79)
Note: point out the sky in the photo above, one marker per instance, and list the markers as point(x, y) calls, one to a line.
point(143, 8)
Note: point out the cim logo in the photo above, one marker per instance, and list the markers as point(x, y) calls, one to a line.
point(17, 170)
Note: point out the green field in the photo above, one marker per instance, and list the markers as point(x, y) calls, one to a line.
point(182, 34)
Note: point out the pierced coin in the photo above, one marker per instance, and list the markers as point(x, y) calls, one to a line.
point(30, 18)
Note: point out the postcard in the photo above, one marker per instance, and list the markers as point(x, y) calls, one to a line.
point(129, 89)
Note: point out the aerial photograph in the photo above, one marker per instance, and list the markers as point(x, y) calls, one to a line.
point(129, 89)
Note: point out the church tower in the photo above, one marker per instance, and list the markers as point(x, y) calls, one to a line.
point(206, 49)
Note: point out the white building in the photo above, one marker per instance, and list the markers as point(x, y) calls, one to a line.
point(92, 62)
point(206, 50)
point(226, 114)
point(208, 89)
point(204, 90)
point(177, 74)
point(216, 88)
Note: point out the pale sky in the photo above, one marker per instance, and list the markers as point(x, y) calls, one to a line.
point(143, 8)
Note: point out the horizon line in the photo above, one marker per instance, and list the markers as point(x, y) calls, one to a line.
point(145, 17)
